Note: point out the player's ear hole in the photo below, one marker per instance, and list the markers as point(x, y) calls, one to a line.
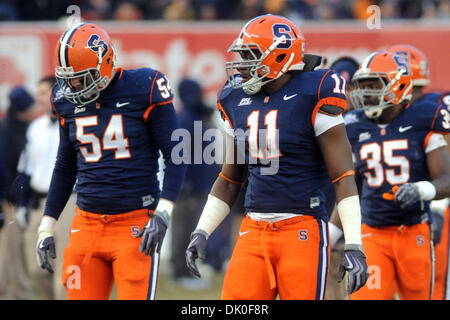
point(401, 87)
point(280, 57)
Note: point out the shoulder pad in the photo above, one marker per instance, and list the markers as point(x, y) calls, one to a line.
point(159, 86)
point(57, 93)
point(445, 99)
point(431, 115)
point(225, 90)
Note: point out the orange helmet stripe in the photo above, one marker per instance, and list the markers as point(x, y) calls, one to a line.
point(63, 55)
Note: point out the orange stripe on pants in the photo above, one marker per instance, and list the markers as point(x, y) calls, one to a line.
point(102, 249)
point(399, 258)
point(288, 257)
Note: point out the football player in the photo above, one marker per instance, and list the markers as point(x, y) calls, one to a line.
point(418, 64)
point(113, 123)
point(284, 125)
point(346, 66)
point(401, 155)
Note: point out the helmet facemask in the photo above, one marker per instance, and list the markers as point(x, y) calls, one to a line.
point(374, 101)
point(91, 81)
point(254, 61)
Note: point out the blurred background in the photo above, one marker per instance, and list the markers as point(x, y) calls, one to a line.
point(188, 40)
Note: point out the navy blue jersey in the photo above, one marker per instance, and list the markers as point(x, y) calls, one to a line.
point(439, 97)
point(393, 155)
point(113, 144)
point(287, 172)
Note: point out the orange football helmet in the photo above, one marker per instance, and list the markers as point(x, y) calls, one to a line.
point(392, 83)
point(418, 63)
point(84, 53)
point(270, 45)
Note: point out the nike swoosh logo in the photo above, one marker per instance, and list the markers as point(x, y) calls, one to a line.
point(242, 233)
point(74, 230)
point(120, 105)
point(285, 98)
point(403, 129)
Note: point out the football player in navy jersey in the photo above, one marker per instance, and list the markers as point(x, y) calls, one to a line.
point(113, 123)
point(440, 210)
point(284, 126)
point(401, 155)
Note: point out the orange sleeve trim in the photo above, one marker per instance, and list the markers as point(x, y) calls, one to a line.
point(228, 179)
point(346, 174)
point(427, 139)
point(61, 119)
point(151, 107)
point(320, 85)
point(332, 101)
point(219, 106)
point(435, 115)
point(153, 84)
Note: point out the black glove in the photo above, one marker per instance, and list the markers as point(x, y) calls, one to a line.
point(407, 195)
point(46, 246)
point(354, 262)
point(196, 249)
point(153, 233)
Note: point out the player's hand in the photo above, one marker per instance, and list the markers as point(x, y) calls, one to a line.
point(437, 225)
point(354, 262)
point(407, 195)
point(196, 249)
point(46, 243)
point(153, 233)
point(22, 217)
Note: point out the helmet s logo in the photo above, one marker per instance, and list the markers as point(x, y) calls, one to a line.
point(404, 54)
point(279, 30)
point(402, 63)
point(94, 44)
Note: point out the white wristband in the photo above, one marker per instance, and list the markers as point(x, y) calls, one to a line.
point(165, 205)
point(47, 224)
point(349, 211)
point(214, 212)
point(426, 189)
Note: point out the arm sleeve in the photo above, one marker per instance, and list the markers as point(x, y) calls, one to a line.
point(63, 178)
point(441, 120)
point(162, 121)
point(331, 99)
point(325, 122)
point(434, 141)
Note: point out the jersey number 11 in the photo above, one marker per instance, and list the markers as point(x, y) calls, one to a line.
point(271, 134)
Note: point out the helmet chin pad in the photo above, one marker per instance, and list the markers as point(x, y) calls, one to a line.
point(252, 86)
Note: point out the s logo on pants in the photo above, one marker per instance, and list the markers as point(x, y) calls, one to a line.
point(303, 235)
